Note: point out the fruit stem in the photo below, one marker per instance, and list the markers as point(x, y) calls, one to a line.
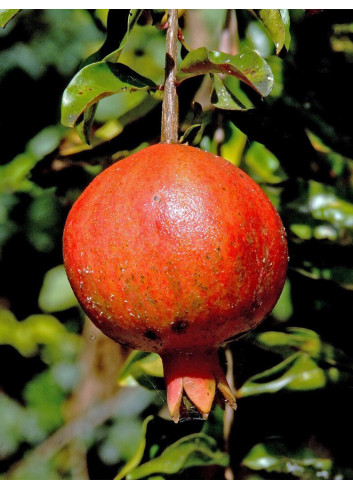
point(170, 107)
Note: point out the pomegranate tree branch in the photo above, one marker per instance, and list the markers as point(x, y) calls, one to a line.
point(170, 108)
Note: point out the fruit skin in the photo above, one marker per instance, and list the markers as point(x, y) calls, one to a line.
point(175, 250)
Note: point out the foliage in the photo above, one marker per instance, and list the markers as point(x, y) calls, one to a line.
point(276, 105)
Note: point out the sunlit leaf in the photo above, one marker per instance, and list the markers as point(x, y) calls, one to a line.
point(96, 81)
point(191, 451)
point(56, 293)
point(14, 175)
point(264, 165)
point(222, 98)
point(276, 22)
point(119, 24)
point(39, 329)
point(248, 66)
point(6, 15)
point(234, 143)
point(295, 339)
point(284, 308)
point(274, 456)
point(142, 368)
point(297, 372)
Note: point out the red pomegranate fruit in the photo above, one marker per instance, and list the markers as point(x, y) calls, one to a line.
point(174, 250)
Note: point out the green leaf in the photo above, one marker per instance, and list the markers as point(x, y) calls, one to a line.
point(190, 133)
point(96, 81)
point(44, 397)
point(136, 459)
point(340, 275)
point(274, 456)
point(14, 175)
point(248, 66)
point(119, 24)
point(39, 329)
point(264, 165)
point(56, 293)
point(301, 339)
point(6, 15)
point(84, 127)
point(276, 22)
point(191, 451)
point(133, 17)
point(222, 98)
point(319, 213)
point(300, 373)
point(142, 368)
point(194, 130)
point(283, 310)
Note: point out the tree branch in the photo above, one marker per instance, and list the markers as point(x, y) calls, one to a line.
point(170, 108)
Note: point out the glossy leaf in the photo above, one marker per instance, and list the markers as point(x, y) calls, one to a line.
point(274, 456)
point(300, 373)
point(96, 81)
point(119, 24)
point(6, 15)
point(222, 98)
point(191, 451)
point(248, 66)
point(56, 293)
point(276, 22)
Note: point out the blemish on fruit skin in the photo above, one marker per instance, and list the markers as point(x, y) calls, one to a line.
point(179, 327)
point(151, 335)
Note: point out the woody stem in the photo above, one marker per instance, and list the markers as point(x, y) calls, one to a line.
point(170, 107)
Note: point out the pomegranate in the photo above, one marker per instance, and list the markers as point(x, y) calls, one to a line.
point(174, 250)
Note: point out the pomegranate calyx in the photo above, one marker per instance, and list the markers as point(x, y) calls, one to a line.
point(197, 375)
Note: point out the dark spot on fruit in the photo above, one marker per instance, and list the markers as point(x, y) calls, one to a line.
point(156, 197)
point(180, 327)
point(150, 334)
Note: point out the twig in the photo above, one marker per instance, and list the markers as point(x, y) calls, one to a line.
point(170, 108)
